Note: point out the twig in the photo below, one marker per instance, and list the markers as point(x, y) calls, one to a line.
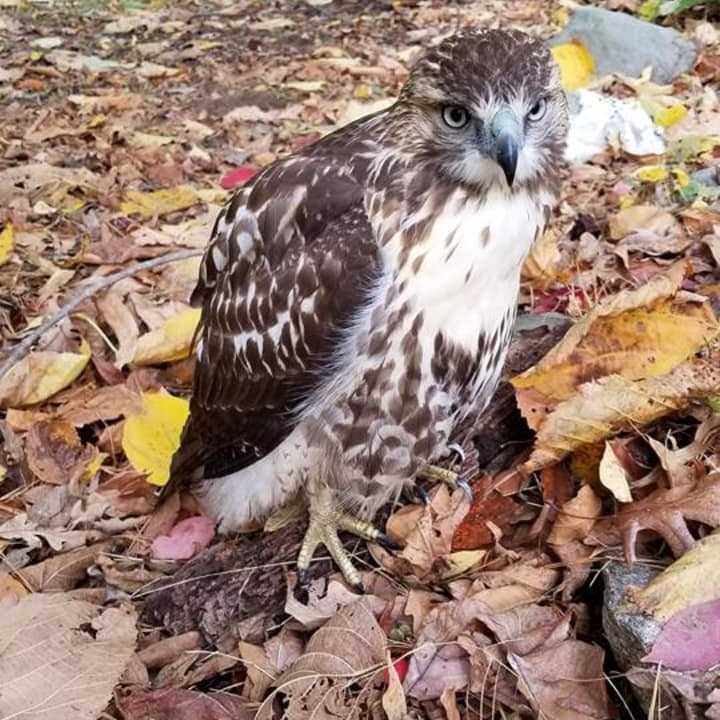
point(92, 286)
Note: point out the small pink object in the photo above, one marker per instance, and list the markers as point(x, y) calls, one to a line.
point(238, 176)
point(690, 640)
point(186, 539)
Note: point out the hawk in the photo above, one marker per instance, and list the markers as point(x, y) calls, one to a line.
point(358, 297)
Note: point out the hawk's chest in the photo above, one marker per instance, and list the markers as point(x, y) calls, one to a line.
point(463, 272)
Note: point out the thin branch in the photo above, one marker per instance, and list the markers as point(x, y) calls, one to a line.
point(92, 287)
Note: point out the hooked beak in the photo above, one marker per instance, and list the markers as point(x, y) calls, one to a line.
point(506, 133)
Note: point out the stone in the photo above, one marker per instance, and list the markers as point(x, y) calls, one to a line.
point(620, 43)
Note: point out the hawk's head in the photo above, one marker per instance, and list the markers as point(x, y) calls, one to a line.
point(487, 107)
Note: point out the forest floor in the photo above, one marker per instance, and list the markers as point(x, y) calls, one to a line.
point(124, 126)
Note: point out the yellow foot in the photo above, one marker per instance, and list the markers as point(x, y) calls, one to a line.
point(326, 520)
point(449, 477)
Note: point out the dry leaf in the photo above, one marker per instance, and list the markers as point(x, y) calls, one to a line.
point(613, 475)
point(577, 517)
point(40, 375)
point(79, 652)
point(393, 699)
point(55, 454)
point(179, 704)
point(692, 579)
point(666, 511)
point(122, 321)
point(602, 408)
point(172, 341)
point(151, 437)
point(347, 648)
point(158, 202)
point(643, 217)
point(7, 243)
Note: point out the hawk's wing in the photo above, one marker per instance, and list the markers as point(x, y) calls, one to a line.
point(289, 263)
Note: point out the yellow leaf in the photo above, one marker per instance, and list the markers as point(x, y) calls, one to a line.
point(94, 465)
point(652, 173)
point(639, 343)
point(682, 179)
point(172, 341)
point(692, 579)
point(603, 408)
point(158, 202)
point(7, 243)
point(40, 375)
point(613, 475)
point(576, 64)
point(461, 561)
point(151, 437)
point(668, 116)
point(362, 92)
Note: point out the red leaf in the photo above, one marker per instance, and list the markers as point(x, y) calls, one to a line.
point(690, 640)
point(238, 176)
point(401, 668)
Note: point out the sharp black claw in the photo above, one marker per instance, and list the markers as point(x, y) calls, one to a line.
point(464, 485)
point(388, 543)
point(421, 494)
point(303, 578)
point(359, 587)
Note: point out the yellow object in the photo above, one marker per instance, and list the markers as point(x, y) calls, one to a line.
point(151, 437)
point(172, 341)
point(668, 116)
point(159, 202)
point(576, 64)
point(40, 375)
point(7, 243)
point(682, 179)
point(652, 173)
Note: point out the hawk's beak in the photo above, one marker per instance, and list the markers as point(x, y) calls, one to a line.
point(506, 133)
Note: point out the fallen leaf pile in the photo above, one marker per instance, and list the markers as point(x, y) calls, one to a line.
point(124, 127)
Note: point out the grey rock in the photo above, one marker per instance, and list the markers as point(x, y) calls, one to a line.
point(620, 43)
point(630, 634)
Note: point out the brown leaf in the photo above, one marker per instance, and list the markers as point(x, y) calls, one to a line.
point(643, 217)
point(124, 326)
point(393, 700)
point(667, 512)
point(55, 453)
point(177, 704)
point(64, 571)
point(577, 517)
point(602, 408)
point(337, 656)
point(78, 649)
point(564, 681)
point(106, 403)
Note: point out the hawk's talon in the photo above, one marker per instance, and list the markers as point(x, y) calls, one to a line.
point(449, 477)
point(385, 541)
point(416, 494)
point(456, 450)
point(464, 485)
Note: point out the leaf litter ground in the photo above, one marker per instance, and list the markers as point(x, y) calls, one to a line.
point(123, 127)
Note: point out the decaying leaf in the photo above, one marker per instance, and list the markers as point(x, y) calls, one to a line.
point(348, 649)
point(55, 453)
point(690, 640)
point(170, 342)
point(158, 202)
point(40, 375)
point(691, 580)
point(577, 517)
point(151, 436)
point(613, 475)
point(79, 650)
point(180, 704)
point(602, 408)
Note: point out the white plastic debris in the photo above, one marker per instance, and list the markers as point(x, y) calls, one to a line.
point(598, 121)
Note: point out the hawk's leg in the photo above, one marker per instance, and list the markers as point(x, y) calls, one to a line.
point(327, 519)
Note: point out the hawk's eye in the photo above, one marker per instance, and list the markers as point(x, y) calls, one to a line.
point(537, 110)
point(455, 116)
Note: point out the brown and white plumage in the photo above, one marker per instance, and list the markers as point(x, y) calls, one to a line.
point(358, 298)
